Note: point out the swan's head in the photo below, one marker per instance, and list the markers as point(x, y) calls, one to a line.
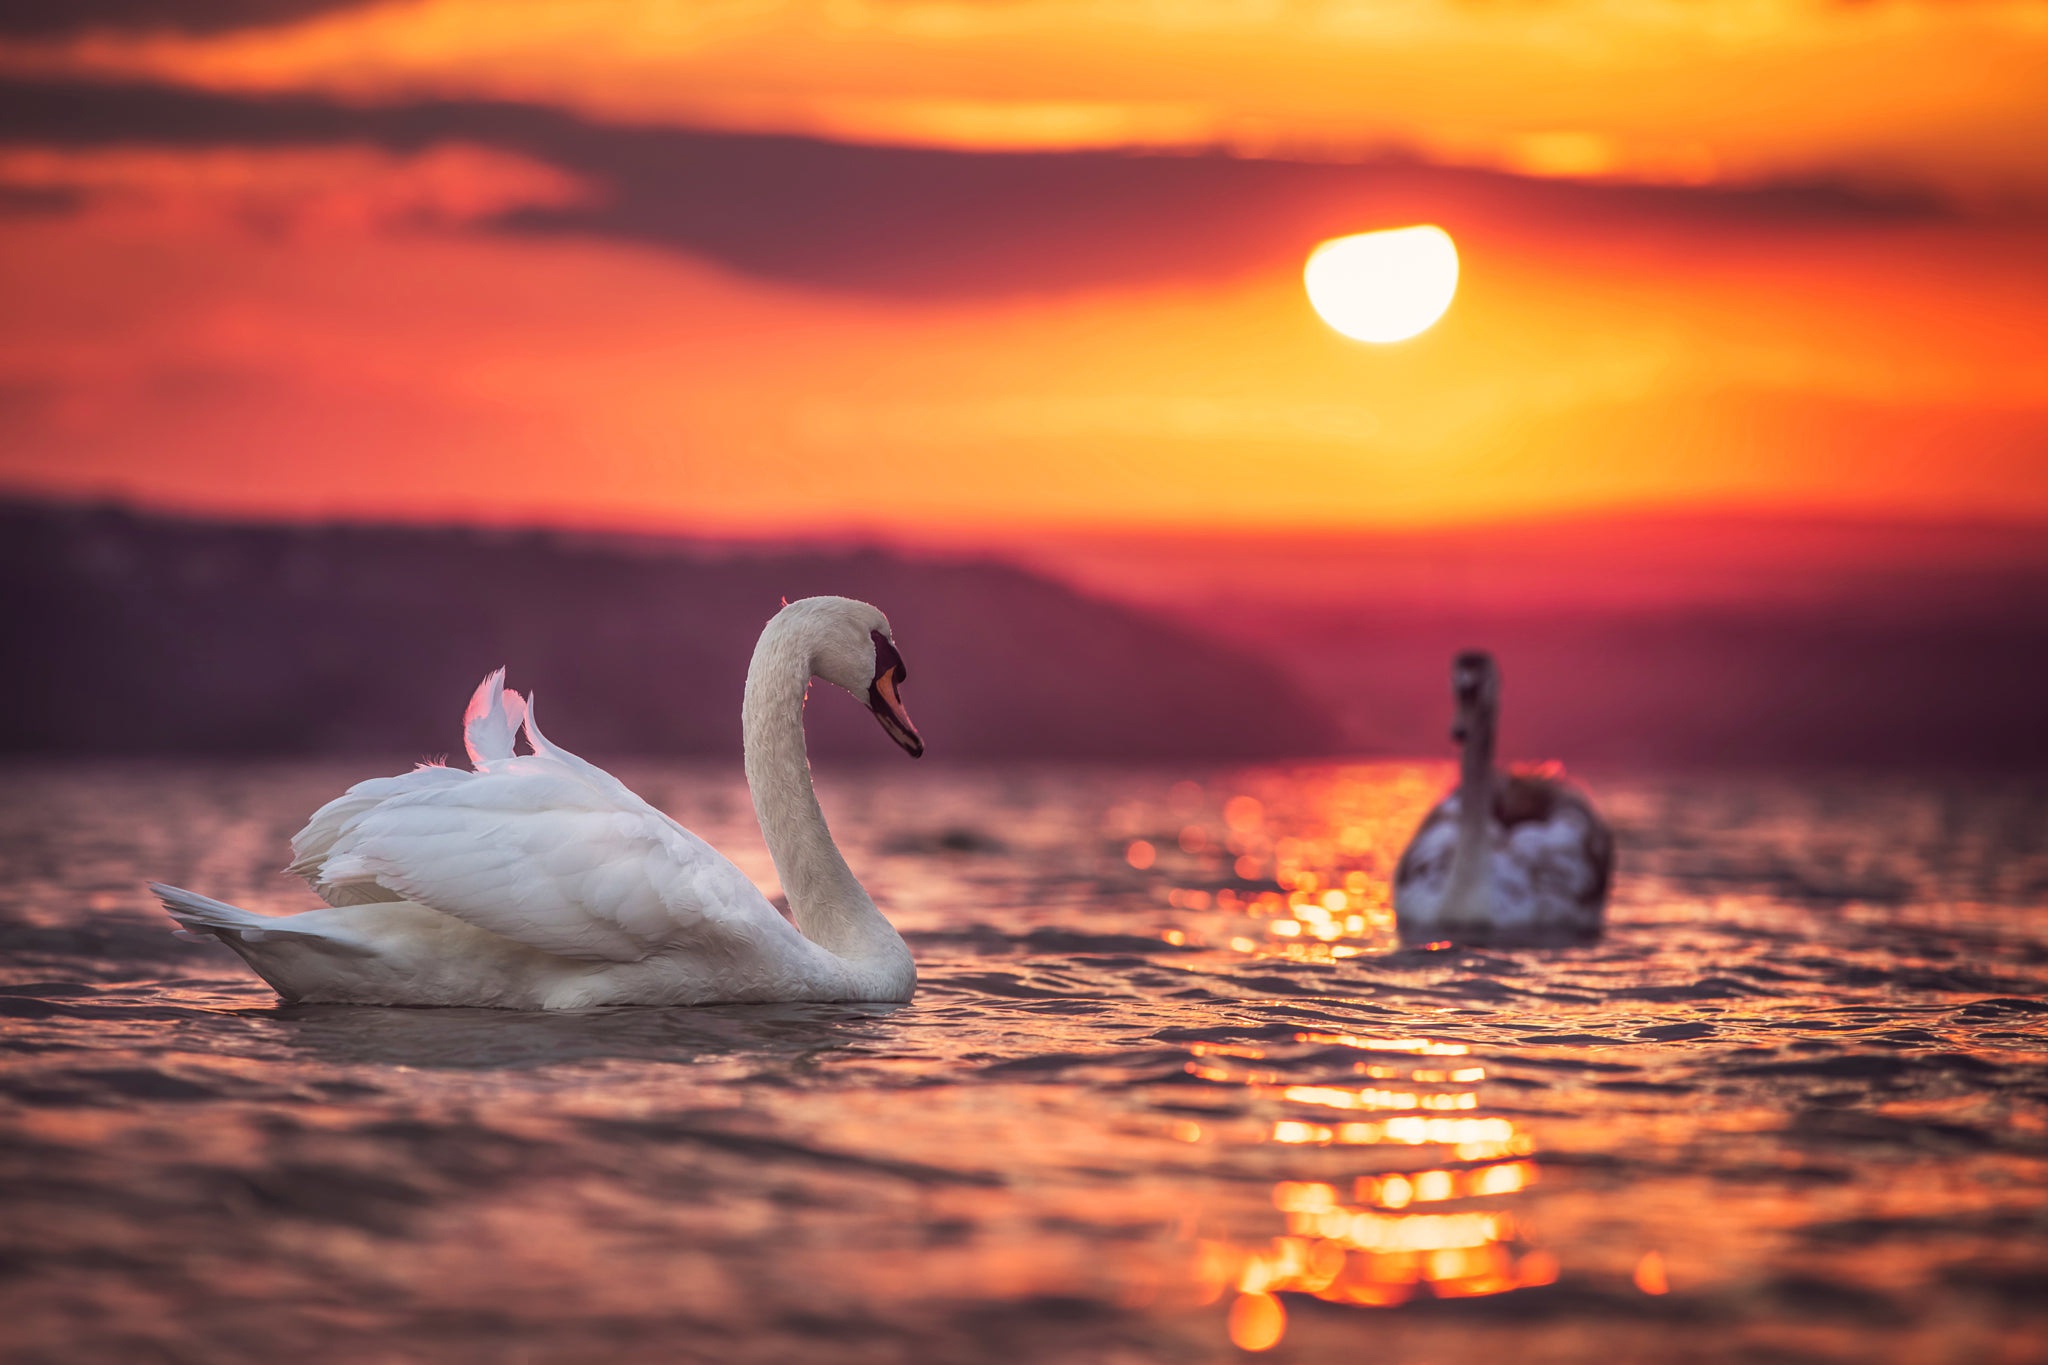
point(852, 647)
point(1475, 687)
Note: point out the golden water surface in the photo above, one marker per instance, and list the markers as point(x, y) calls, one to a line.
point(1169, 1091)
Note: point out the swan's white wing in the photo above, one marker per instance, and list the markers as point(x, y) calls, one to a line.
point(339, 817)
point(549, 850)
point(490, 726)
point(1556, 860)
point(1423, 876)
point(532, 850)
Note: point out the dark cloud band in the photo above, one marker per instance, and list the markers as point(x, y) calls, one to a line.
point(918, 222)
point(53, 18)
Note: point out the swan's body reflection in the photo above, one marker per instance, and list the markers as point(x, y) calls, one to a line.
point(484, 1039)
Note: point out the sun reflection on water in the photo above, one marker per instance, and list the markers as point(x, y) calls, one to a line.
point(1404, 1184)
point(1299, 870)
point(1431, 1212)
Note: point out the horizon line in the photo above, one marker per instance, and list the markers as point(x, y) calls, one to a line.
point(625, 524)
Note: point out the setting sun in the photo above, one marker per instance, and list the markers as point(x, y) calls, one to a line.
point(1383, 286)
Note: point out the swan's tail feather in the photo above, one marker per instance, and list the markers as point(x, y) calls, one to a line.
point(205, 917)
point(490, 727)
point(208, 920)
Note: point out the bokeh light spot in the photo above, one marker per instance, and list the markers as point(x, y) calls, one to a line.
point(1257, 1322)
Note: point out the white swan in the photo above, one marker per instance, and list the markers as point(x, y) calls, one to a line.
point(1507, 856)
point(539, 881)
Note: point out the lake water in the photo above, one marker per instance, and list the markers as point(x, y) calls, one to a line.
point(1793, 1108)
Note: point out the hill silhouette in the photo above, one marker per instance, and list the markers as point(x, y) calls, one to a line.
point(132, 634)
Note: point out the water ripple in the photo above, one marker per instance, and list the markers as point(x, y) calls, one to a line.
point(1169, 1102)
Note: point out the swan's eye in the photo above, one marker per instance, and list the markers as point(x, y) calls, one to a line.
point(887, 661)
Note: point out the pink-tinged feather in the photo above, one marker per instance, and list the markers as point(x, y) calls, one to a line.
point(490, 725)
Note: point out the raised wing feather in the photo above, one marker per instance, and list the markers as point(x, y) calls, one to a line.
point(490, 725)
point(533, 850)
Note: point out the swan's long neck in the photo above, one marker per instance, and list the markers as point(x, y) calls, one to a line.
point(827, 902)
point(1470, 895)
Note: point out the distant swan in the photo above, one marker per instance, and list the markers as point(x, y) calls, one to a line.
point(539, 881)
point(1506, 857)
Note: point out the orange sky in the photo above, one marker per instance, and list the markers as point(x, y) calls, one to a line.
point(1919, 91)
point(340, 324)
